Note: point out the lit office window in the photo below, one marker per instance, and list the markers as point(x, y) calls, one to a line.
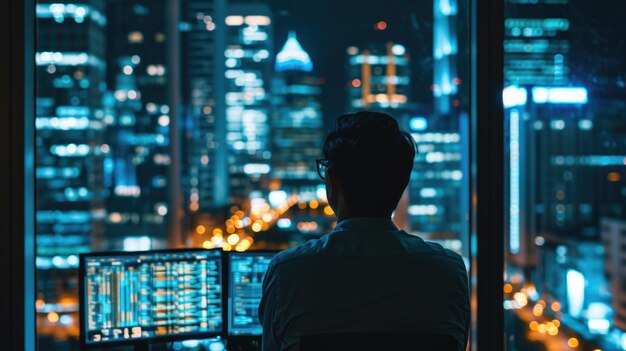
point(565, 122)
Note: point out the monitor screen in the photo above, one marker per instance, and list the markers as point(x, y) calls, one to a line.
point(246, 272)
point(150, 295)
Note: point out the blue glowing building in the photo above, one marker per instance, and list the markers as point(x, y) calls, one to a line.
point(565, 162)
point(536, 44)
point(248, 60)
point(296, 118)
point(565, 166)
point(292, 57)
point(138, 118)
point(438, 188)
point(204, 176)
point(70, 68)
point(536, 50)
point(445, 55)
point(70, 128)
point(575, 139)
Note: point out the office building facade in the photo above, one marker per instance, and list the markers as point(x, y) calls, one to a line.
point(537, 43)
point(378, 77)
point(248, 53)
point(70, 66)
point(139, 117)
point(204, 176)
point(296, 118)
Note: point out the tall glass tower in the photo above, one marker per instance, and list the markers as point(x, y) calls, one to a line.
point(536, 44)
point(203, 129)
point(70, 126)
point(378, 77)
point(296, 118)
point(139, 120)
point(203, 90)
point(445, 54)
point(248, 63)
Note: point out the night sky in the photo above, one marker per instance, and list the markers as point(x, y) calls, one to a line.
point(326, 28)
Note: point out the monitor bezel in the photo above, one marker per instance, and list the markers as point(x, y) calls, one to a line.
point(157, 339)
point(227, 309)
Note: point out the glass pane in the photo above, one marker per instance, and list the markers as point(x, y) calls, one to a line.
point(565, 133)
point(197, 123)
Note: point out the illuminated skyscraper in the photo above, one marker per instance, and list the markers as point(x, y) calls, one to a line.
point(536, 45)
point(71, 70)
point(378, 77)
point(248, 70)
point(439, 190)
point(575, 138)
point(564, 173)
point(437, 187)
point(540, 123)
point(586, 162)
point(445, 55)
point(138, 118)
point(71, 66)
point(536, 52)
point(565, 165)
point(296, 118)
point(203, 147)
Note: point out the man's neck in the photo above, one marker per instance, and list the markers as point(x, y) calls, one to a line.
point(344, 211)
point(341, 217)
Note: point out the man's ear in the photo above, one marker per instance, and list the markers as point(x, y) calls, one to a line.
point(333, 182)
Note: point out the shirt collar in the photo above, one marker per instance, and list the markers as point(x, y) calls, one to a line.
point(366, 223)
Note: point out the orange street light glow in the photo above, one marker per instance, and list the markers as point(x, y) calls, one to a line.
point(572, 342)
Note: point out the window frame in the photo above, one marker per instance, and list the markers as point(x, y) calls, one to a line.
point(487, 173)
point(17, 156)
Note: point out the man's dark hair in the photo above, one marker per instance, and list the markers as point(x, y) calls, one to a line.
point(372, 159)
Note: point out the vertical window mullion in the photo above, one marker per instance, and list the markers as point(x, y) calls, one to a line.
point(487, 165)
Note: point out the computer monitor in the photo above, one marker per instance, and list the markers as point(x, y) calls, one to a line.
point(150, 296)
point(246, 271)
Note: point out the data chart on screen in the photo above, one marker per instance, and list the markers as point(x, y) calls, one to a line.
point(151, 295)
point(246, 273)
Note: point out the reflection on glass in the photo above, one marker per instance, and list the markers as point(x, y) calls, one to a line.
point(241, 111)
point(566, 146)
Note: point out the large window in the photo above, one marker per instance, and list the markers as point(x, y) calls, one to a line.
point(197, 123)
point(565, 123)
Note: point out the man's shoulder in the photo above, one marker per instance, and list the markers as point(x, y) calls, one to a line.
point(418, 246)
point(439, 249)
point(310, 249)
point(413, 245)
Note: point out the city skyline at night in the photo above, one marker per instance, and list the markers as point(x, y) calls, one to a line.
point(173, 146)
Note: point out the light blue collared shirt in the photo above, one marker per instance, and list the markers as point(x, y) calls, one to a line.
point(365, 275)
